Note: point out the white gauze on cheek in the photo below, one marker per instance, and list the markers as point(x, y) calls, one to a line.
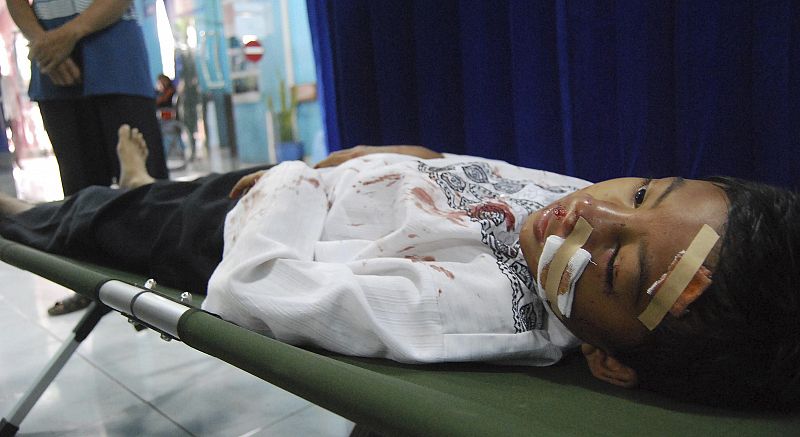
point(577, 264)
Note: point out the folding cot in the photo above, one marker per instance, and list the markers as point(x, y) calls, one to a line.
point(379, 395)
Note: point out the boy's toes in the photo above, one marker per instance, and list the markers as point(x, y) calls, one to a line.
point(124, 131)
point(139, 139)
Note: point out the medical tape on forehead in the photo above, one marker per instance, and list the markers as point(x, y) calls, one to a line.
point(577, 238)
point(677, 281)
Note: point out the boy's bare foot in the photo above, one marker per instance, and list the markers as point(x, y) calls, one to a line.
point(132, 154)
point(11, 205)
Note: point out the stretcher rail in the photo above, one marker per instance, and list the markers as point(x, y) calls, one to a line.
point(392, 398)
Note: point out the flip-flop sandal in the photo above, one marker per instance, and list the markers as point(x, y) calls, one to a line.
point(69, 305)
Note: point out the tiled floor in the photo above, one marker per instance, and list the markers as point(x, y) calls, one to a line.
point(126, 383)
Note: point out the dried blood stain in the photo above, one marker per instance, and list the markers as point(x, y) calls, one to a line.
point(392, 178)
point(426, 203)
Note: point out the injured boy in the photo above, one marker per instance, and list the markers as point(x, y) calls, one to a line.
point(685, 287)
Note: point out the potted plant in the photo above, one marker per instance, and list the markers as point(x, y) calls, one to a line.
point(288, 148)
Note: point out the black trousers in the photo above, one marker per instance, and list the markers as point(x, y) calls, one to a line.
point(171, 231)
point(84, 137)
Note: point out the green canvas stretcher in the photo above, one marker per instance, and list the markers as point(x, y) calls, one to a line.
point(384, 396)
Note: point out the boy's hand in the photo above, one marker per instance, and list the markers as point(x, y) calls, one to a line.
point(245, 184)
point(341, 156)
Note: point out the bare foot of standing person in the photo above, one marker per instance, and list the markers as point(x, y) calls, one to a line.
point(132, 155)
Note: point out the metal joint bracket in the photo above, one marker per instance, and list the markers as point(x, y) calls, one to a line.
point(144, 306)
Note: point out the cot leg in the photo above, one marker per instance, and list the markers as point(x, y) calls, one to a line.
point(10, 426)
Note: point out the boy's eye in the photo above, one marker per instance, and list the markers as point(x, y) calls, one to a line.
point(638, 198)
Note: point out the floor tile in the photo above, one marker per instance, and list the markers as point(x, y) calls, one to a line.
point(79, 397)
point(311, 421)
point(239, 402)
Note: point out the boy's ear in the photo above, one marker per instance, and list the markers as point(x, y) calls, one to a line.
point(607, 368)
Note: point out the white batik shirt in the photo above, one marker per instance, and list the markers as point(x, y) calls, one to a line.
point(392, 256)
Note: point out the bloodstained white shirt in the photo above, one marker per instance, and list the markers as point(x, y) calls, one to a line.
point(392, 256)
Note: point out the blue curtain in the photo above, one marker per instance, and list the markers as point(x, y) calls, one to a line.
point(594, 89)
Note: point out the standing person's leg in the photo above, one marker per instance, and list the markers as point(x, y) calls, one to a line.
point(77, 144)
point(139, 113)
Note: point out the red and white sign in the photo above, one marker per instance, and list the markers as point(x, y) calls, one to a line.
point(253, 51)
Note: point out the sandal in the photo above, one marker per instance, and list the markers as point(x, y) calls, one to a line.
point(69, 305)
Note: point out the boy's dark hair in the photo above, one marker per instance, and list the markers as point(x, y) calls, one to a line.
point(739, 346)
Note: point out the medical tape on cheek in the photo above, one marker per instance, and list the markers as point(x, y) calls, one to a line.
point(566, 289)
point(677, 281)
point(577, 238)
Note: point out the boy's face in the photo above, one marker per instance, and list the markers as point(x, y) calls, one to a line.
point(639, 227)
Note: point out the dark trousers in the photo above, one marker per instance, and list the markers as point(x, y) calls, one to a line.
point(170, 231)
point(84, 137)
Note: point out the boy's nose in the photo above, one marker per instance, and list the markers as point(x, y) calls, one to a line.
point(606, 218)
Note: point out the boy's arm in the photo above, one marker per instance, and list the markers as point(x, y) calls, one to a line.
point(51, 48)
point(341, 156)
point(244, 184)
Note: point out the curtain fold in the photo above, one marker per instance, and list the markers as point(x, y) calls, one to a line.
point(594, 89)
